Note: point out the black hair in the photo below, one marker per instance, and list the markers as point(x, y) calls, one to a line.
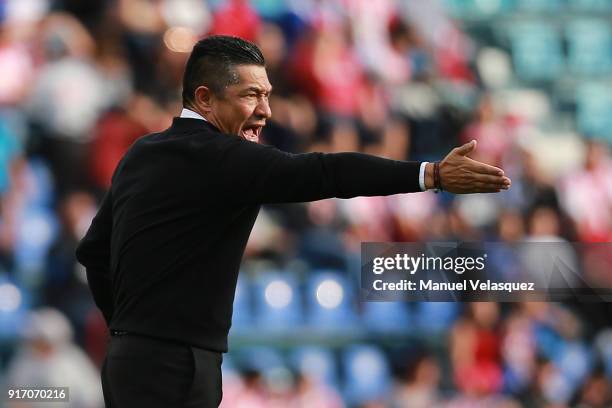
point(212, 63)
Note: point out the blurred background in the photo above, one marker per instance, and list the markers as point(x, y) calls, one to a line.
point(531, 80)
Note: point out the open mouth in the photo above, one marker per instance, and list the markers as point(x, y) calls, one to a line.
point(251, 132)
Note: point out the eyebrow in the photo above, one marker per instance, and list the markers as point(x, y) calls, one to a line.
point(258, 90)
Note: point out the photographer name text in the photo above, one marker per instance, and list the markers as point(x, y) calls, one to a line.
point(466, 284)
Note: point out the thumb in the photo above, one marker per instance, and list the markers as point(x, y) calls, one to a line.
point(467, 148)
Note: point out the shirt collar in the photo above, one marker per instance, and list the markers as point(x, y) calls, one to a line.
point(188, 113)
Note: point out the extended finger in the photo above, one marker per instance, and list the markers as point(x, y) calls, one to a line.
point(483, 168)
point(489, 187)
point(497, 180)
point(466, 148)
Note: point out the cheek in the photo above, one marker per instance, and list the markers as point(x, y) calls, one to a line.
point(244, 113)
point(248, 109)
point(235, 117)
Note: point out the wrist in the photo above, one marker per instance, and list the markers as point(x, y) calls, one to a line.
point(429, 176)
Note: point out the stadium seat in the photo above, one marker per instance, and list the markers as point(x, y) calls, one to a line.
point(488, 7)
point(329, 299)
point(603, 342)
point(457, 8)
point(270, 9)
point(315, 362)
point(258, 358)
point(367, 374)
point(575, 361)
point(476, 8)
point(539, 5)
point(37, 230)
point(591, 5)
point(10, 148)
point(14, 304)
point(549, 342)
point(435, 317)
point(243, 310)
point(536, 51)
point(589, 46)
point(40, 179)
point(386, 317)
point(277, 301)
point(228, 368)
point(322, 248)
point(593, 110)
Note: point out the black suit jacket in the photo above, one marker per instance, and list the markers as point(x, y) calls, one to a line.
point(163, 252)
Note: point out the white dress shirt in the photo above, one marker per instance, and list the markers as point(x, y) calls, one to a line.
point(422, 176)
point(188, 113)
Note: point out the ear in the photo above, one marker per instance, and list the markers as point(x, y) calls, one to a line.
point(203, 98)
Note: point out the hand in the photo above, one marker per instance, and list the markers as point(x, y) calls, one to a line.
point(461, 175)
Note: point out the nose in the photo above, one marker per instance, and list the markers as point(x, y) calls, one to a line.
point(263, 109)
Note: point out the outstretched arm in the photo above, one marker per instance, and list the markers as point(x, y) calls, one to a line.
point(263, 174)
point(254, 173)
point(93, 252)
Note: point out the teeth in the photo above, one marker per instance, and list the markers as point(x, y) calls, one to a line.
point(251, 133)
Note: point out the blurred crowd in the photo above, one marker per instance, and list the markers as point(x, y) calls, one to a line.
point(80, 81)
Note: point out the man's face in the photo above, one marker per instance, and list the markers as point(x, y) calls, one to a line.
point(243, 108)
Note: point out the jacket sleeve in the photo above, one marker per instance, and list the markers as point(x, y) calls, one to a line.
point(263, 174)
point(93, 252)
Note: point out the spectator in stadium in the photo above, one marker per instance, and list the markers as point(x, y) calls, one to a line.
point(49, 358)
